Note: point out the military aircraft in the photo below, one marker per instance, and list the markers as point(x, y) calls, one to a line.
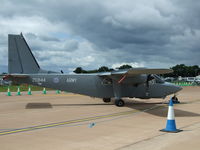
point(133, 83)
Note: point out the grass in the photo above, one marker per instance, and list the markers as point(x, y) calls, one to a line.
point(23, 87)
point(185, 83)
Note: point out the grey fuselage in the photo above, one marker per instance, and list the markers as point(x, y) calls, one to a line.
point(95, 86)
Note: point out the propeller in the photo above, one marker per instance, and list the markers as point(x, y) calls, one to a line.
point(149, 78)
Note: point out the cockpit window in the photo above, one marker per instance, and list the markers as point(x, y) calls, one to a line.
point(158, 79)
point(152, 79)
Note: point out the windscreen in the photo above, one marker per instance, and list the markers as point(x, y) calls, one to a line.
point(158, 79)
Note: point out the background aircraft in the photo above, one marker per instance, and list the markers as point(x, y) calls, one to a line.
point(136, 82)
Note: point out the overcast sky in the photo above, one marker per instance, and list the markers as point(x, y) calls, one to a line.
point(67, 34)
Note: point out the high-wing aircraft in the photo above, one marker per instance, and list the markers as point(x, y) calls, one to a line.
point(134, 83)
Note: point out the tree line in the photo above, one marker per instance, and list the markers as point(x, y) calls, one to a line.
point(101, 69)
point(184, 71)
point(179, 70)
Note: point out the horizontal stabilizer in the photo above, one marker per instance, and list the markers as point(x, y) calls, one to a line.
point(8, 77)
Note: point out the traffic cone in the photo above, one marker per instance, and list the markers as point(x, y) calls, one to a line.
point(29, 90)
point(171, 124)
point(18, 91)
point(57, 91)
point(44, 91)
point(9, 93)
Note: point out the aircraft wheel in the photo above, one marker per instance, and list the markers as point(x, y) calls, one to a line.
point(175, 100)
point(119, 103)
point(106, 100)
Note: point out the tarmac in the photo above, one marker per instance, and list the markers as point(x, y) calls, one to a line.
point(70, 121)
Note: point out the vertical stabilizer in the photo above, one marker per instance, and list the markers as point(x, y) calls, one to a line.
point(20, 57)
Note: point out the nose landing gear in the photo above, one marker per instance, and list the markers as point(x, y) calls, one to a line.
point(175, 100)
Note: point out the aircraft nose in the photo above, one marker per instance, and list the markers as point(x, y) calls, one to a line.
point(172, 88)
point(177, 88)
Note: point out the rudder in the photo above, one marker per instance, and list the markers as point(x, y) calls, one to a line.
point(20, 57)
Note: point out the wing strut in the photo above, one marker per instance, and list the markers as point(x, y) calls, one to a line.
point(122, 79)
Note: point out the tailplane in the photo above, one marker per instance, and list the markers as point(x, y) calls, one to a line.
point(20, 57)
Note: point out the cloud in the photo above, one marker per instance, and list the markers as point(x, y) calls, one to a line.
point(90, 34)
point(133, 64)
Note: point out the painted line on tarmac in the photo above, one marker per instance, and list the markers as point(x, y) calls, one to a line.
point(13, 131)
point(77, 121)
point(73, 121)
point(65, 122)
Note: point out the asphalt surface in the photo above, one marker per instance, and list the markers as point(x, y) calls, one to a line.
point(70, 121)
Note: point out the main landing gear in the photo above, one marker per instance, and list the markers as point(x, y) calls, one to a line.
point(119, 102)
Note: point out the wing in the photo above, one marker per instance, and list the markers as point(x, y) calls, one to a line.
point(138, 71)
point(134, 73)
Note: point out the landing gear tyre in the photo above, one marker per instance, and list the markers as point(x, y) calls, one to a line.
point(175, 100)
point(106, 100)
point(119, 103)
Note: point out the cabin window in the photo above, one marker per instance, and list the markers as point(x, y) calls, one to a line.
point(107, 81)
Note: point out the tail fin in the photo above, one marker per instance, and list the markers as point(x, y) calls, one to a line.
point(20, 57)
